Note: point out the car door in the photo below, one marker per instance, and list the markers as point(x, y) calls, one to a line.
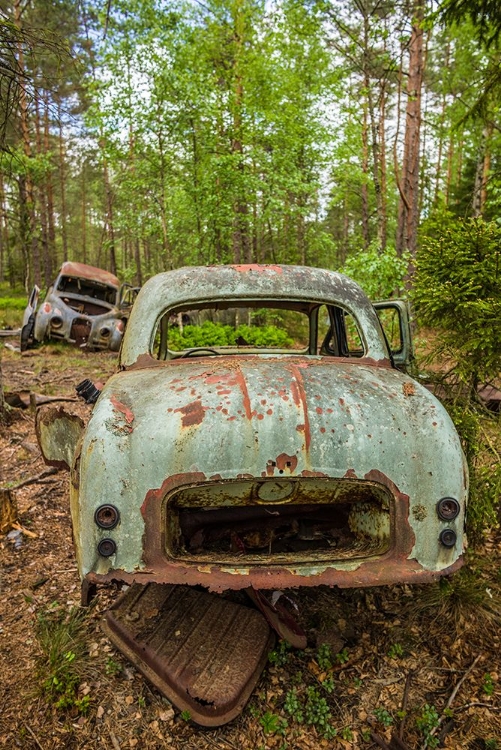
point(394, 316)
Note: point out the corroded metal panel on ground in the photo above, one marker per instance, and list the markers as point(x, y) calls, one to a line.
point(203, 652)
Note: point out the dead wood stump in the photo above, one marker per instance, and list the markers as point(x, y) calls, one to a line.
point(8, 510)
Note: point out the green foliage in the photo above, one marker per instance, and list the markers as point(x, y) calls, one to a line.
point(383, 717)
point(488, 685)
point(185, 715)
point(395, 651)
point(380, 274)
point(316, 710)
point(14, 303)
point(293, 706)
point(217, 334)
point(60, 635)
point(427, 721)
point(273, 724)
point(457, 291)
point(112, 668)
point(324, 656)
point(280, 655)
point(485, 472)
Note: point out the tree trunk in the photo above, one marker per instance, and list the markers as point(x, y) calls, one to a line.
point(51, 222)
point(241, 243)
point(482, 173)
point(110, 229)
point(365, 171)
point(62, 182)
point(372, 125)
point(408, 209)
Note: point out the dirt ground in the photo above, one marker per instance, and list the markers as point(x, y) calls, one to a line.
point(402, 659)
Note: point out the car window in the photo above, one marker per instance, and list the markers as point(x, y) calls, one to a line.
point(240, 328)
point(390, 322)
point(343, 337)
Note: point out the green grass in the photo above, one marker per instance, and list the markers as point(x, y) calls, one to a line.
point(61, 637)
point(14, 303)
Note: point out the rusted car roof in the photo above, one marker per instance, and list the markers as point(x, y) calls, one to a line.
point(193, 285)
point(83, 271)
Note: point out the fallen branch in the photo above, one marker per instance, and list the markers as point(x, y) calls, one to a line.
point(36, 479)
point(478, 705)
point(451, 699)
point(379, 741)
point(30, 730)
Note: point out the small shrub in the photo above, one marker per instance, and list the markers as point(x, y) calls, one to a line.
point(488, 685)
point(293, 706)
point(273, 724)
point(427, 721)
point(280, 655)
point(383, 717)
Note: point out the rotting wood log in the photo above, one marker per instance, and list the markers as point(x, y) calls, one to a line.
point(8, 510)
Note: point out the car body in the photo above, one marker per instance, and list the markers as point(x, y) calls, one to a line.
point(308, 460)
point(83, 306)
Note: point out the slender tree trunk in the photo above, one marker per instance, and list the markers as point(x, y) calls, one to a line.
point(42, 198)
point(482, 173)
point(84, 213)
point(62, 182)
point(241, 244)
point(3, 229)
point(51, 222)
point(166, 248)
point(365, 171)
point(383, 226)
point(408, 210)
point(373, 126)
point(109, 220)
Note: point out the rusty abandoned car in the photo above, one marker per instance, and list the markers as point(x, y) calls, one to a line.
point(83, 306)
point(272, 442)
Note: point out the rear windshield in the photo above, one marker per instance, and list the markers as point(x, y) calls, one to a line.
point(262, 327)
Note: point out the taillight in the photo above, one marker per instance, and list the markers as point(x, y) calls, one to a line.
point(106, 516)
point(448, 509)
point(448, 537)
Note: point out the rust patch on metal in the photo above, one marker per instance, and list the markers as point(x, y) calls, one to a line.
point(151, 510)
point(299, 397)
point(392, 566)
point(245, 268)
point(350, 474)
point(192, 414)
point(122, 409)
point(203, 652)
point(286, 463)
point(387, 570)
point(409, 389)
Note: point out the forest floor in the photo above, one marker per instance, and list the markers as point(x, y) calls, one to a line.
point(402, 660)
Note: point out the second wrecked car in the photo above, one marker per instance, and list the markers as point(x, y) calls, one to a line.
point(83, 306)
